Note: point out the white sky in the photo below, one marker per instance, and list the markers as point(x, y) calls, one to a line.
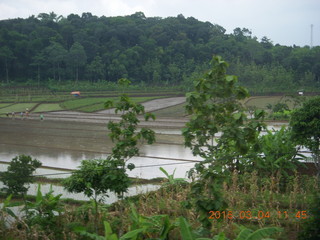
point(286, 22)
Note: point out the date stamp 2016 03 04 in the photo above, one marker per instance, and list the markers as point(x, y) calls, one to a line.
point(256, 215)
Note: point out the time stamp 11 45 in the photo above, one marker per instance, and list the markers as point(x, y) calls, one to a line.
point(257, 215)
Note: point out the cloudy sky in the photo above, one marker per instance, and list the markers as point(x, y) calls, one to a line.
point(286, 22)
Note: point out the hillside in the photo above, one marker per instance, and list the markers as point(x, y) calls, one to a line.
point(155, 51)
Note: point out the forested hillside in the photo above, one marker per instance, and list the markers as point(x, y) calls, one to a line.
point(153, 50)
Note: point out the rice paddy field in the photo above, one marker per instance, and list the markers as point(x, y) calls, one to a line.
point(91, 103)
point(50, 103)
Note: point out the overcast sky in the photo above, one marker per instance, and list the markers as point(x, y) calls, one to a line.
point(286, 22)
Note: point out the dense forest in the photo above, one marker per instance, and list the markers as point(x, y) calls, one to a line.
point(153, 51)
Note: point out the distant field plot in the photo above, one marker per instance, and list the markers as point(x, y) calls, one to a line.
point(35, 98)
point(100, 106)
point(92, 108)
point(47, 107)
point(2, 105)
point(83, 102)
point(174, 111)
point(263, 101)
point(18, 107)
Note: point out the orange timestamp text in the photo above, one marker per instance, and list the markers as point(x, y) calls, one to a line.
point(255, 215)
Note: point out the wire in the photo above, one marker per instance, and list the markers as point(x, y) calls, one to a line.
point(156, 165)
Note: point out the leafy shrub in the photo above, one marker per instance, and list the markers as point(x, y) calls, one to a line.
point(311, 230)
point(285, 115)
point(19, 173)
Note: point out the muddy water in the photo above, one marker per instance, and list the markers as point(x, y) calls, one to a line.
point(64, 145)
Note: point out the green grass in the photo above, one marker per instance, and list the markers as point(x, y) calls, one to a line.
point(18, 107)
point(83, 103)
point(63, 101)
point(47, 107)
point(94, 107)
point(2, 105)
point(261, 102)
point(36, 98)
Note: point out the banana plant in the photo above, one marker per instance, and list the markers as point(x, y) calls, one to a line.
point(171, 179)
point(262, 233)
point(109, 234)
point(140, 228)
point(5, 212)
point(245, 233)
point(45, 209)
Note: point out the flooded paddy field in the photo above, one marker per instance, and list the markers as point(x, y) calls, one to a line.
point(61, 145)
point(64, 144)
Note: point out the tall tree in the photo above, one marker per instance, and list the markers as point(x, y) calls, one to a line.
point(305, 124)
point(6, 55)
point(56, 55)
point(38, 61)
point(77, 58)
point(214, 107)
point(97, 69)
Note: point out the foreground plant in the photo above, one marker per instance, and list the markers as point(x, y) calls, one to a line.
point(279, 153)
point(157, 226)
point(45, 212)
point(305, 123)
point(171, 179)
point(5, 213)
point(19, 174)
point(214, 108)
point(96, 177)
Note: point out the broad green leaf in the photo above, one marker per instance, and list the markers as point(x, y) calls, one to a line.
point(39, 194)
point(10, 212)
point(220, 236)
point(165, 172)
point(230, 78)
point(263, 233)
point(185, 230)
point(132, 234)
point(244, 233)
point(237, 116)
point(107, 228)
point(91, 235)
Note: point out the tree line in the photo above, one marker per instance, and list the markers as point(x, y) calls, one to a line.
point(152, 50)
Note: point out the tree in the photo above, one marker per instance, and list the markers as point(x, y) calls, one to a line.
point(305, 124)
point(214, 109)
point(56, 55)
point(96, 69)
point(96, 177)
point(19, 173)
point(6, 54)
point(38, 60)
point(77, 57)
point(124, 133)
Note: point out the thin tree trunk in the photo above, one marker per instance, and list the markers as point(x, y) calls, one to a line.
point(59, 75)
point(7, 71)
point(38, 75)
point(54, 72)
point(77, 74)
